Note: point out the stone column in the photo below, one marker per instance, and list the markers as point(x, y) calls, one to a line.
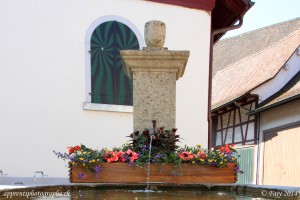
point(154, 71)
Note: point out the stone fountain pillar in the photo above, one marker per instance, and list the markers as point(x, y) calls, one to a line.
point(154, 71)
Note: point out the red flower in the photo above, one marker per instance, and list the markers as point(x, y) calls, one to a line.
point(120, 156)
point(186, 155)
point(71, 150)
point(222, 149)
point(226, 148)
point(77, 148)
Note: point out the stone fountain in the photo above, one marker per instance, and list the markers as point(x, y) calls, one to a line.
point(154, 71)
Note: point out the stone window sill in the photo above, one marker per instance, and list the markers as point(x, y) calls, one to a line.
point(107, 107)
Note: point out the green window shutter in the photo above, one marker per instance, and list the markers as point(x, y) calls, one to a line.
point(246, 162)
point(109, 84)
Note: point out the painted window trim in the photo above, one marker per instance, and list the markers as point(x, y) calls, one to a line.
point(87, 105)
point(281, 128)
point(107, 107)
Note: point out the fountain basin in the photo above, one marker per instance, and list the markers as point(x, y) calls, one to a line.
point(186, 173)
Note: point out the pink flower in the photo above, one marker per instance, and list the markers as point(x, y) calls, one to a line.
point(129, 151)
point(203, 155)
point(134, 156)
point(111, 156)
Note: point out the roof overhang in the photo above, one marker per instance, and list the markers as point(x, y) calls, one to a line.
point(196, 4)
point(225, 13)
point(244, 99)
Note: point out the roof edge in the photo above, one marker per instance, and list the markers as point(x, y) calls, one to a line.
point(262, 28)
point(207, 5)
point(232, 101)
point(279, 103)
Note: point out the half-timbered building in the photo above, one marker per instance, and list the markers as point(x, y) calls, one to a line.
point(255, 101)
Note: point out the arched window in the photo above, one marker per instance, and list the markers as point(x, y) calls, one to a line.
point(107, 83)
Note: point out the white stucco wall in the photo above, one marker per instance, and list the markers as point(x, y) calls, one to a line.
point(276, 117)
point(42, 79)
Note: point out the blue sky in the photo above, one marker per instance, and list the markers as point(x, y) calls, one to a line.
point(267, 12)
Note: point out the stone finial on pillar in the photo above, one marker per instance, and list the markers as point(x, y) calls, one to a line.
point(154, 71)
point(155, 34)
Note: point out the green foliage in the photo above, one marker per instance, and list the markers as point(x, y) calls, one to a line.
point(163, 141)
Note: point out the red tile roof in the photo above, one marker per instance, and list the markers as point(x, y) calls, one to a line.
point(241, 77)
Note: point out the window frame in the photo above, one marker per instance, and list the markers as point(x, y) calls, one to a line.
point(88, 105)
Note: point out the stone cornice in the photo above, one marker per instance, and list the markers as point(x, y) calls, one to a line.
point(154, 60)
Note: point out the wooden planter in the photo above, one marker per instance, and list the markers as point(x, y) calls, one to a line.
point(126, 173)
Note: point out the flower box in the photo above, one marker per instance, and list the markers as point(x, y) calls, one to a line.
point(186, 173)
